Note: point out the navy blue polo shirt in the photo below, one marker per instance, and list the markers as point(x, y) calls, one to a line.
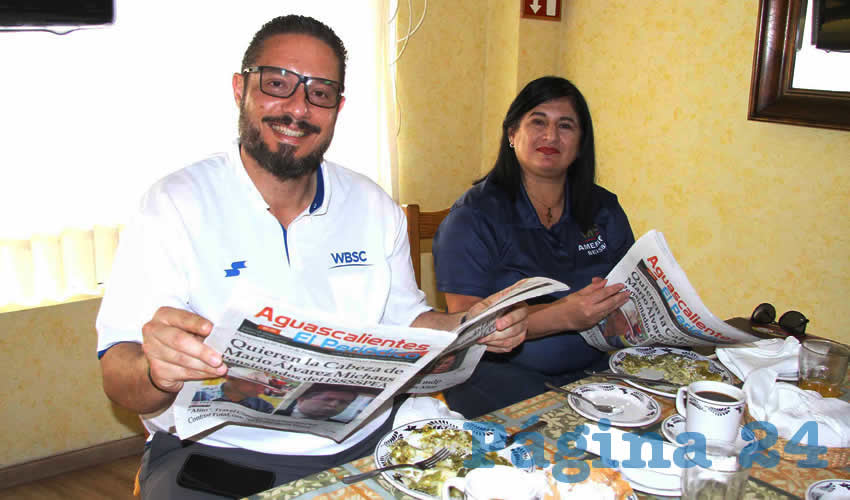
point(489, 242)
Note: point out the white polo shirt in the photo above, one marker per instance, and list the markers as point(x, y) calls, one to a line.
point(205, 228)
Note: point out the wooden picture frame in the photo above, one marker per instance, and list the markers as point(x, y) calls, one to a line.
point(772, 99)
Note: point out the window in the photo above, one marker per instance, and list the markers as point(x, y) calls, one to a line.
point(92, 118)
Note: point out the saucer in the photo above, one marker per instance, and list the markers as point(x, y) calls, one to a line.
point(639, 408)
point(829, 488)
point(674, 425)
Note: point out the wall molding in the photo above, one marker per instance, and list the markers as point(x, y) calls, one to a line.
point(61, 463)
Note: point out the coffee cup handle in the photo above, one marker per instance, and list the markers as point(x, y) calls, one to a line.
point(682, 401)
point(457, 483)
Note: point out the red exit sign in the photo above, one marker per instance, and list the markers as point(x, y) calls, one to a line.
point(542, 9)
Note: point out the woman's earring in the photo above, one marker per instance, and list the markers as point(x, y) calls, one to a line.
point(511, 145)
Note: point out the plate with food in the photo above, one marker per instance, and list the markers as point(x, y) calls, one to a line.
point(421, 439)
point(677, 366)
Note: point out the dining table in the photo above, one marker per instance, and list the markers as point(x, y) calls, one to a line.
point(785, 480)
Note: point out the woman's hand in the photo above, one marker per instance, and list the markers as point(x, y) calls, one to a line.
point(590, 305)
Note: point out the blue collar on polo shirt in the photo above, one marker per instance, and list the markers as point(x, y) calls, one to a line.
point(318, 199)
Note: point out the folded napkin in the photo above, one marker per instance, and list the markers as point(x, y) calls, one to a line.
point(788, 407)
point(743, 359)
point(421, 407)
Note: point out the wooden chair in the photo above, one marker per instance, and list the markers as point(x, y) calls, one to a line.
point(420, 226)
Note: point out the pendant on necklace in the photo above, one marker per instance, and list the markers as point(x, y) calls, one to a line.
point(548, 215)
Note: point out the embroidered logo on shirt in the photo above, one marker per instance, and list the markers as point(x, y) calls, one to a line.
point(592, 242)
point(591, 234)
point(346, 259)
point(234, 269)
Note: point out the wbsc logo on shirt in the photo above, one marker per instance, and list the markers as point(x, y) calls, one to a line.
point(348, 259)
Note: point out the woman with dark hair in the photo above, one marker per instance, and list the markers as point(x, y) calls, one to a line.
point(538, 212)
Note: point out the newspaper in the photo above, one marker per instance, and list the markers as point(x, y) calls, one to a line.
point(663, 307)
point(303, 371)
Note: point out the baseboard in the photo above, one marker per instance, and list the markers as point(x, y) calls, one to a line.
point(70, 461)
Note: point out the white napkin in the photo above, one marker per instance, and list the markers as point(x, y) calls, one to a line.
point(779, 354)
point(421, 407)
point(788, 407)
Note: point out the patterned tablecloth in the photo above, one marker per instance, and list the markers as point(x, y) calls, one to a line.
point(786, 480)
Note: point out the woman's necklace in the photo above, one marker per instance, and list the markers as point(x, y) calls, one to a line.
point(549, 215)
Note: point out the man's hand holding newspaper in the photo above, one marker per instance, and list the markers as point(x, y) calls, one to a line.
point(289, 359)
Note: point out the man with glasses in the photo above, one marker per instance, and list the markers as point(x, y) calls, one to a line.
point(272, 212)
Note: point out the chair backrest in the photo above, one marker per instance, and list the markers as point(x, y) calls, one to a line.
point(420, 226)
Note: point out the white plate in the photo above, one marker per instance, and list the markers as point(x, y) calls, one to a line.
point(663, 482)
point(615, 362)
point(829, 489)
point(516, 454)
point(674, 425)
point(653, 482)
point(639, 408)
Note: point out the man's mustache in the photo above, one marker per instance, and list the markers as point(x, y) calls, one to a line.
point(289, 120)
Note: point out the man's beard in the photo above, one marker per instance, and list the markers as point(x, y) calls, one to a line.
point(282, 163)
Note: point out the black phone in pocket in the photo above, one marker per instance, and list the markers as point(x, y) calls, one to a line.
point(215, 475)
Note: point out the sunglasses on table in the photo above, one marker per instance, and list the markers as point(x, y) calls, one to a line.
point(792, 322)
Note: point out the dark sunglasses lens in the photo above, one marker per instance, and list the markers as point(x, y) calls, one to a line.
point(793, 322)
point(764, 314)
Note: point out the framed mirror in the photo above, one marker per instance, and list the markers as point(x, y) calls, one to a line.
point(772, 97)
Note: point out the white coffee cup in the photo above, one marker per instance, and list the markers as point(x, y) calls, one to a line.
point(713, 409)
point(497, 482)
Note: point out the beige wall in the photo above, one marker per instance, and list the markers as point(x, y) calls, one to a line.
point(52, 398)
point(440, 127)
point(456, 78)
point(753, 211)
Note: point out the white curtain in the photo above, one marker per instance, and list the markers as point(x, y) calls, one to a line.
point(91, 119)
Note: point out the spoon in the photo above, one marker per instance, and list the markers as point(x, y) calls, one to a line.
point(602, 408)
point(533, 427)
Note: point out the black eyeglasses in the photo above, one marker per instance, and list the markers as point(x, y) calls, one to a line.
point(280, 82)
point(792, 322)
